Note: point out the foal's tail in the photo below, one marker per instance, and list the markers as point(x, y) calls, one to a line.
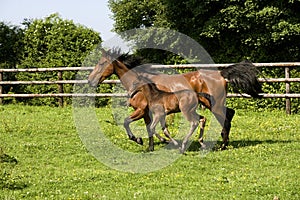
point(243, 78)
point(209, 97)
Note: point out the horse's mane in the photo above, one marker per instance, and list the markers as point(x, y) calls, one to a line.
point(130, 60)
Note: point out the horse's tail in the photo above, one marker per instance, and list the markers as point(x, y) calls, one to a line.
point(243, 78)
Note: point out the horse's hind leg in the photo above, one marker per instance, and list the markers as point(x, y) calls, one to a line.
point(136, 115)
point(224, 115)
point(226, 129)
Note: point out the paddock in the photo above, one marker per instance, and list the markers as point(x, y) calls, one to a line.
point(60, 82)
point(262, 160)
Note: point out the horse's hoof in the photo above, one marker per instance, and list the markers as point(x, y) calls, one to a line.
point(139, 141)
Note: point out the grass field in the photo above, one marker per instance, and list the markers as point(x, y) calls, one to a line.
point(52, 163)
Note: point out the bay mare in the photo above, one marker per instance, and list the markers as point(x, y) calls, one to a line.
point(241, 76)
point(161, 103)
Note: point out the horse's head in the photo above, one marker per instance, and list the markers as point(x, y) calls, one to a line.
point(102, 70)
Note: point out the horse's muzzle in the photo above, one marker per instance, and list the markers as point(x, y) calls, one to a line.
point(92, 83)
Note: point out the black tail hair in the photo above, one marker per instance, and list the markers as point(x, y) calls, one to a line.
point(243, 78)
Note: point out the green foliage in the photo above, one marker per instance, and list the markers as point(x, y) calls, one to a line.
point(229, 30)
point(259, 31)
point(11, 48)
point(262, 160)
point(54, 42)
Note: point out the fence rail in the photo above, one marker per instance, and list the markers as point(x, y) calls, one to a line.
point(60, 94)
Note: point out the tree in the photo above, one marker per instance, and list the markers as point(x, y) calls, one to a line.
point(257, 30)
point(11, 48)
point(231, 30)
point(10, 45)
point(54, 42)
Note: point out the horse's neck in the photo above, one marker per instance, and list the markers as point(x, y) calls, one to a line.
point(125, 75)
point(146, 75)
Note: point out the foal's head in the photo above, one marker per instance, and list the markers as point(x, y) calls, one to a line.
point(144, 85)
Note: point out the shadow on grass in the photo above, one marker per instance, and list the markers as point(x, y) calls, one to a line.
point(195, 146)
point(246, 143)
point(7, 179)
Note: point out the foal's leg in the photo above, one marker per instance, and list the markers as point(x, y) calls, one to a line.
point(202, 126)
point(147, 120)
point(187, 137)
point(166, 131)
point(156, 119)
point(194, 118)
point(136, 115)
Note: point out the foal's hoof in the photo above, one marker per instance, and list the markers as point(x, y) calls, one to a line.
point(164, 141)
point(150, 149)
point(181, 150)
point(139, 141)
point(173, 142)
point(223, 147)
point(202, 146)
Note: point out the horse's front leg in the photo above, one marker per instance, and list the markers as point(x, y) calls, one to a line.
point(136, 115)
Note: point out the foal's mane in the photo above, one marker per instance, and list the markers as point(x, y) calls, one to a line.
point(149, 83)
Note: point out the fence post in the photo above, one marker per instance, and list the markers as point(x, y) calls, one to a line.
point(60, 89)
point(1, 87)
point(287, 91)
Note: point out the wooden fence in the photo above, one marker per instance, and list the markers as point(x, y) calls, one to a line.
point(60, 82)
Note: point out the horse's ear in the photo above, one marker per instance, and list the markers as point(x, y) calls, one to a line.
point(103, 53)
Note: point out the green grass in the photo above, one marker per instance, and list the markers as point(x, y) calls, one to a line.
point(262, 160)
